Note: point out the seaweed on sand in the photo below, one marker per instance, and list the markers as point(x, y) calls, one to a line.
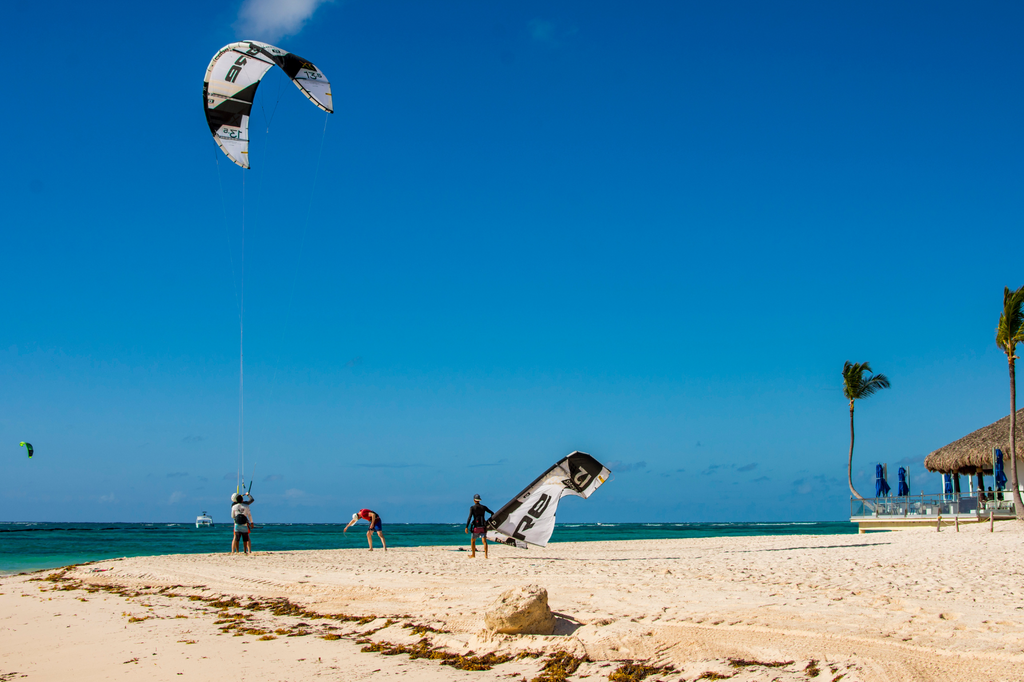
point(425, 649)
point(282, 606)
point(229, 603)
point(559, 666)
point(374, 631)
point(634, 672)
point(743, 663)
point(424, 629)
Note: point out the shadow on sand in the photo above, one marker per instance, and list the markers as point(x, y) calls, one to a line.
point(565, 625)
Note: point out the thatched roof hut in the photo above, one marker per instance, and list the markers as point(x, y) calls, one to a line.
point(972, 454)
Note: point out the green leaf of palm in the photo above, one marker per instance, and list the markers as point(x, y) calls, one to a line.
point(856, 385)
point(1010, 331)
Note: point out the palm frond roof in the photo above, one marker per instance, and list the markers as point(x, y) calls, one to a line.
point(973, 452)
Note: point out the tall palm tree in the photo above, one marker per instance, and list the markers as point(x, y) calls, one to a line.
point(859, 383)
point(1009, 333)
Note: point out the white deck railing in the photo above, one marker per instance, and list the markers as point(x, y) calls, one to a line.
point(911, 507)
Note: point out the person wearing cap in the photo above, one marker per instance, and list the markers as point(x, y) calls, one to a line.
point(375, 525)
point(242, 518)
point(478, 524)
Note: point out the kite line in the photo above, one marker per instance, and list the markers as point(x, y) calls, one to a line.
point(229, 90)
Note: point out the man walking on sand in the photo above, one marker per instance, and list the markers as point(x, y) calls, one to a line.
point(478, 524)
point(375, 525)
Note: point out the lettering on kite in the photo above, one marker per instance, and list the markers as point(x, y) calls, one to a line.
point(582, 478)
point(536, 511)
point(524, 524)
point(236, 69)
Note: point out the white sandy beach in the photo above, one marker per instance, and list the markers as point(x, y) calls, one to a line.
point(907, 605)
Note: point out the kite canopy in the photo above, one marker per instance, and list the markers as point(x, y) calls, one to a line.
point(530, 517)
point(29, 446)
point(230, 88)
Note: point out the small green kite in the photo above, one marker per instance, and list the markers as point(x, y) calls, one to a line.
point(29, 446)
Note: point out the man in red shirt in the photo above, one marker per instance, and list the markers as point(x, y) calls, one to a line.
point(375, 525)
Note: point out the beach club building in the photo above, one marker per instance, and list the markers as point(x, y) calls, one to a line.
point(975, 472)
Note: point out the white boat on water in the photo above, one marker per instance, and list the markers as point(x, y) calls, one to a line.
point(204, 520)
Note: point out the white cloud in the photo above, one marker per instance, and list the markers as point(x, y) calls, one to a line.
point(294, 493)
point(270, 20)
point(176, 496)
point(107, 498)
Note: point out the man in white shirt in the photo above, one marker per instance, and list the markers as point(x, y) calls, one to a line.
point(240, 512)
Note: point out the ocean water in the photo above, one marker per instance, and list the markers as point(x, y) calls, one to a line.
point(34, 546)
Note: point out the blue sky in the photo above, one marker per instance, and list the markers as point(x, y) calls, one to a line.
point(650, 232)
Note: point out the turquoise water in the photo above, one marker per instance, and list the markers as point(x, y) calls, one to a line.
point(32, 546)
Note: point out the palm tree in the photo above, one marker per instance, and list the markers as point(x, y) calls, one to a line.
point(1009, 333)
point(859, 383)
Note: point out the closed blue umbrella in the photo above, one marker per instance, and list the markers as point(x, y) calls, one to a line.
point(902, 489)
point(1000, 474)
point(947, 483)
point(881, 485)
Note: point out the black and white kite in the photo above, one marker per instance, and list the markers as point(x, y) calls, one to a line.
point(230, 88)
point(529, 519)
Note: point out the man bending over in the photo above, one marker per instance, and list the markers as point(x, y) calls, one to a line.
point(375, 525)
